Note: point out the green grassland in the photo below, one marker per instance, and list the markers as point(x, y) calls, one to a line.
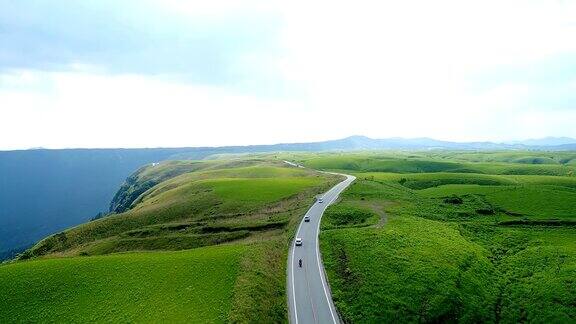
point(541, 202)
point(234, 217)
point(471, 237)
point(186, 286)
point(429, 236)
point(218, 203)
point(431, 162)
point(516, 157)
point(397, 273)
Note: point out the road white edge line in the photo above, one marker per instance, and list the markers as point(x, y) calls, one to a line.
point(293, 286)
point(292, 268)
point(320, 270)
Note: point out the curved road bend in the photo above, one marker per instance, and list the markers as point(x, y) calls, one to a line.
point(309, 297)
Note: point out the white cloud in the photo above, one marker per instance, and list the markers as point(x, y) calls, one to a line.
point(378, 68)
point(86, 110)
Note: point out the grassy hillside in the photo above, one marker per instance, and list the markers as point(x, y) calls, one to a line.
point(247, 206)
point(216, 202)
point(419, 237)
point(542, 202)
point(130, 287)
point(454, 241)
point(441, 161)
point(45, 191)
point(398, 274)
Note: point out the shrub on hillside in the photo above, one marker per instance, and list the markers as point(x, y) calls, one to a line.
point(341, 215)
point(454, 200)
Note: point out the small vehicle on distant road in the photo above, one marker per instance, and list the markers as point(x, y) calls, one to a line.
point(306, 218)
point(298, 241)
point(320, 200)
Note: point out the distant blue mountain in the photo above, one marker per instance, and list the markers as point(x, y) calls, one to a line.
point(546, 141)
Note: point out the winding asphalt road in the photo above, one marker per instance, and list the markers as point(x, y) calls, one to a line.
point(309, 297)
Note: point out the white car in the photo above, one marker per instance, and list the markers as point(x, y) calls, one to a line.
point(298, 241)
point(320, 200)
point(306, 218)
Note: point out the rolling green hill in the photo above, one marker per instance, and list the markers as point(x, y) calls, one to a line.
point(440, 161)
point(471, 237)
point(194, 204)
point(430, 236)
point(234, 218)
point(128, 287)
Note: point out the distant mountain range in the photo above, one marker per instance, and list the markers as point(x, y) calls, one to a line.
point(397, 143)
point(44, 191)
point(546, 141)
point(358, 142)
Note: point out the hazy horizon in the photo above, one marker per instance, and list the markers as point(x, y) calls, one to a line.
point(561, 139)
point(187, 74)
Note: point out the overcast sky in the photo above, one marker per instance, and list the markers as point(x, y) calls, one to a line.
point(135, 73)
